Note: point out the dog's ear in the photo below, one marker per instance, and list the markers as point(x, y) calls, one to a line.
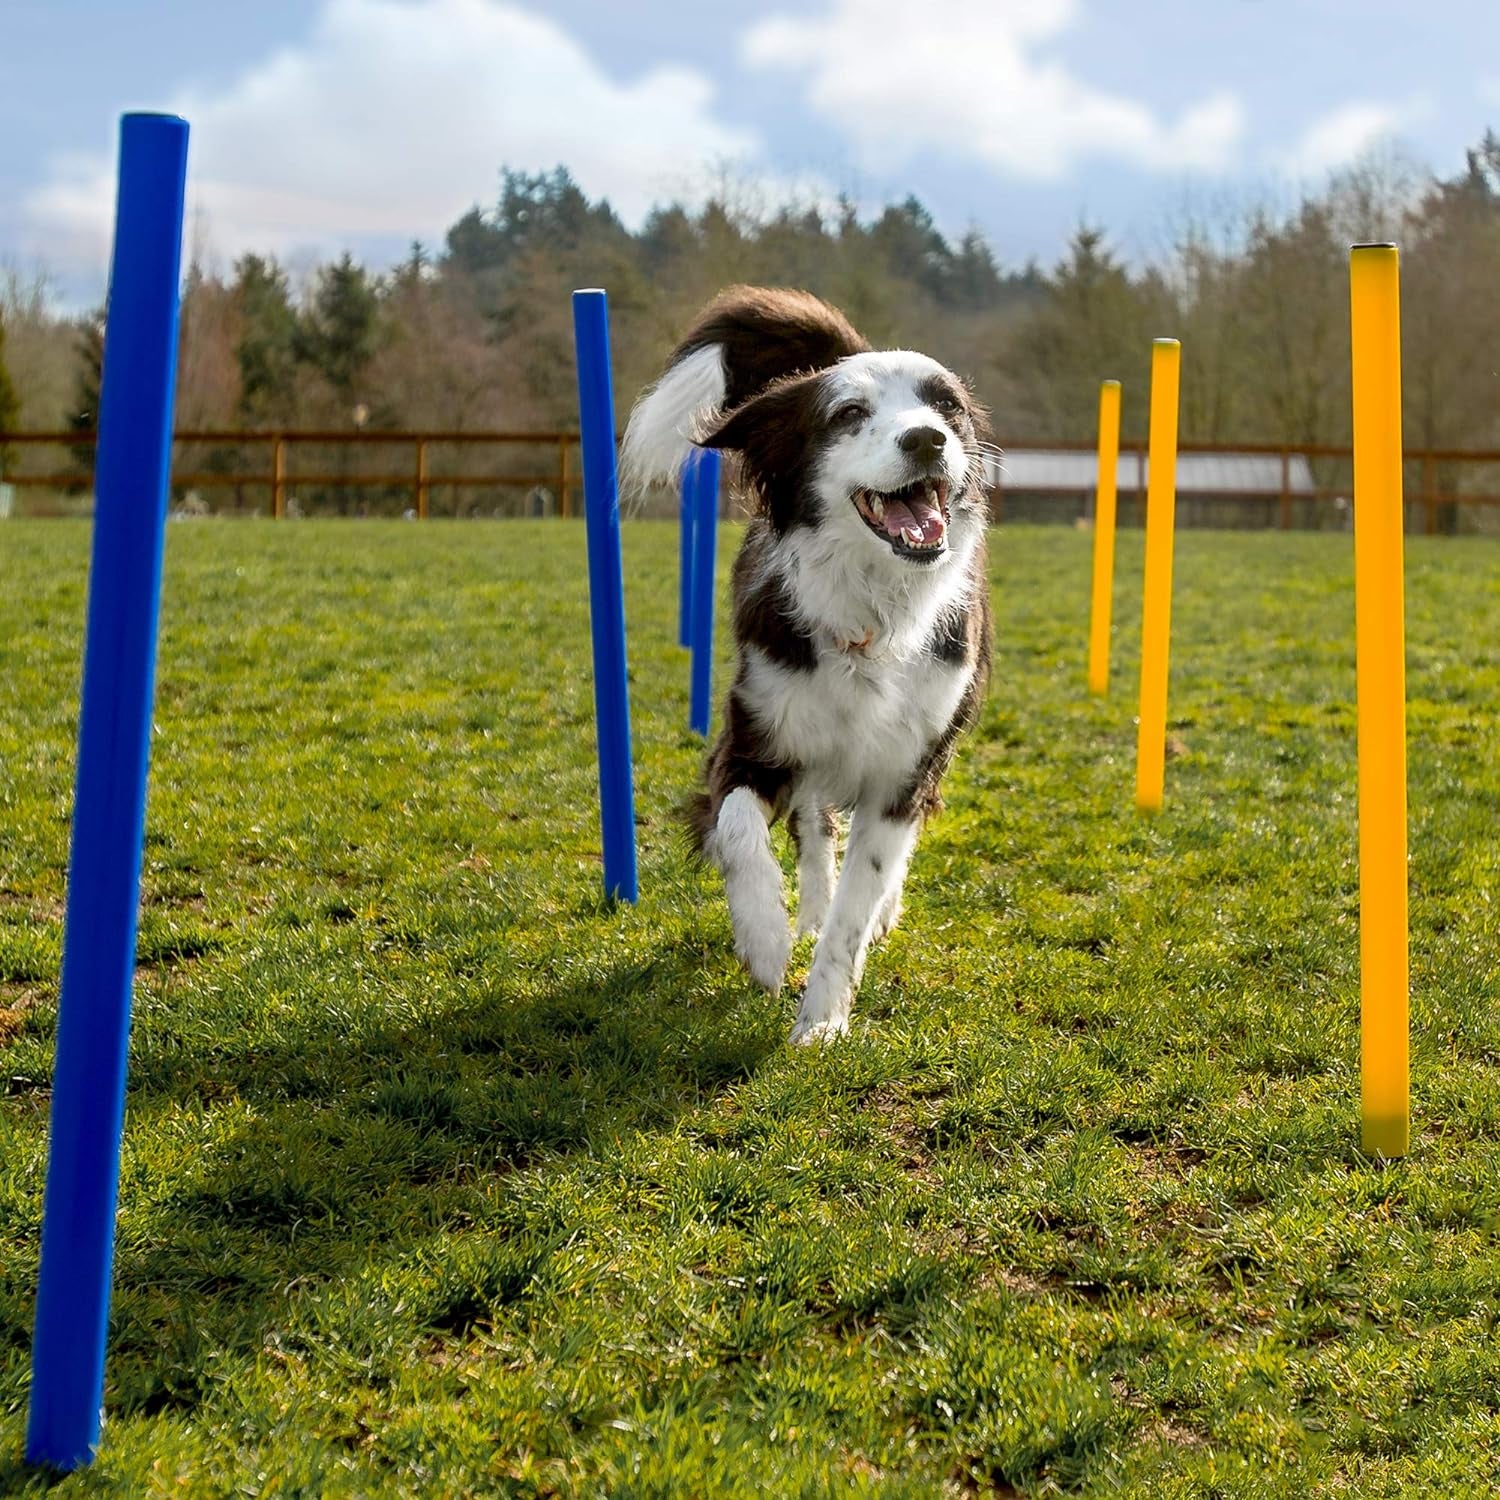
point(773, 434)
point(764, 423)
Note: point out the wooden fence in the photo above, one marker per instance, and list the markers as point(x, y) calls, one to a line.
point(1438, 483)
point(548, 461)
point(268, 472)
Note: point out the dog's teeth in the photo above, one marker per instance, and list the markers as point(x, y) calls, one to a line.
point(877, 506)
point(914, 535)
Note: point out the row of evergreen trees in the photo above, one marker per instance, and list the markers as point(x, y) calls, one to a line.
point(478, 335)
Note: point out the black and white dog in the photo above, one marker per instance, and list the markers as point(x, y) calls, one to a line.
point(861, 614)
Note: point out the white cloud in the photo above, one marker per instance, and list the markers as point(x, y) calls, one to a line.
point(392, 118)
point(972, 78)
point(1341, 135)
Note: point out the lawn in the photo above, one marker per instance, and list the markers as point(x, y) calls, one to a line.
point(442, 1178)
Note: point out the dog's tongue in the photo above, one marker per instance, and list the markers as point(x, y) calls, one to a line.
point(914, 514)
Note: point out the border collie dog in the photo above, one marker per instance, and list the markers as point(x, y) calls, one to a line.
point(861, 615)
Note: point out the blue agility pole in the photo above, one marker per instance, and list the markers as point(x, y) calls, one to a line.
point(132, 468)
point(685, 555)
point(704, 487)
point(601, 505)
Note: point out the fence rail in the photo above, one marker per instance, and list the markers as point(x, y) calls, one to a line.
point(281, 478)
point(1440, 481)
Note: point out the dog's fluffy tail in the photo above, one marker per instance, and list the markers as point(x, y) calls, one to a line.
point(744, 339)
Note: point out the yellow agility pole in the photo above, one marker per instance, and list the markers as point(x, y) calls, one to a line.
point(1156, 619)
point(1104, 535)
point(1380, 639)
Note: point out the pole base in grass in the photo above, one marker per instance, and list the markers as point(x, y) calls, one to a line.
point(1388, 1137)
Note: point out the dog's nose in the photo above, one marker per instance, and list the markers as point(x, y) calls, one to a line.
point(925, 444)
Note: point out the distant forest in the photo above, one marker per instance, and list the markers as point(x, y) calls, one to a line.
point(477, 334)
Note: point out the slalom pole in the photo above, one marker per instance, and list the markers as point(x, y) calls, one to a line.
point(131, 479)
point(601, 495)
point(1156, 619)
point(685, 555)
point(1380, 638)
point(1104, 535)
point(704, 466)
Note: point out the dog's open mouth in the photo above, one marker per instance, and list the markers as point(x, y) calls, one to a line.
point(914, 520)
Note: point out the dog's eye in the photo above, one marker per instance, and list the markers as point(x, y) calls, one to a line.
point(948, 404)
point(850, 414)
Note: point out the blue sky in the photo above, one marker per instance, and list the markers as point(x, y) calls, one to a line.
point(325, 124)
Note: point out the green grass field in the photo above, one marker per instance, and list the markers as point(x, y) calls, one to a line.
point(441, 1178)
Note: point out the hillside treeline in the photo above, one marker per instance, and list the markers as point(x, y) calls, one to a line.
point(477, 334)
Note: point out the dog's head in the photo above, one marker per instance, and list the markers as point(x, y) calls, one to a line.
point(881, 447)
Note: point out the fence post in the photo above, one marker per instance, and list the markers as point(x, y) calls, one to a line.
point(422, 487)
point(278, 476)
point(564, 507)
point(1429, 499)
point(1286, 490)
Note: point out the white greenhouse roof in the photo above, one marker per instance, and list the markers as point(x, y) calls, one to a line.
point(1041, 469)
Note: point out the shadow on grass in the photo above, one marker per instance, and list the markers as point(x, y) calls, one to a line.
point(351, 1160)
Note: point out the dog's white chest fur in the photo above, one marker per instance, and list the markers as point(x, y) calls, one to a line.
point(859, 724)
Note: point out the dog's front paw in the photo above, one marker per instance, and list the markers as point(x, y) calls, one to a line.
point(822, 1016)
point(810, 917)
point(764, 952)
point(886, 922)
point(809, 1033)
